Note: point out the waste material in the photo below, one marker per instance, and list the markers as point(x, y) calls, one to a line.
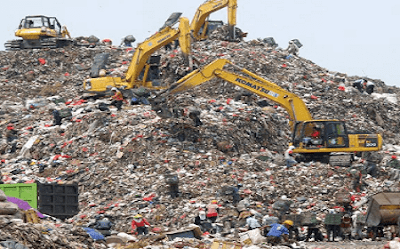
point(120, 159)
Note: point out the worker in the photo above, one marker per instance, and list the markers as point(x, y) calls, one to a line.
point(279, 232)
point(290, 161)
point(357, 225)
point(346, 226)
point(173, 184)
point(267, 222)
point(252, 223)
point(203, 223)
point(313, 230)
point(128, 40)
point(212, 211)
point(359, 84)
point(104, 225)
point(139, 225)
point(315, 133)
point(117, 98)
point(369, 87)
point(292, 48)
point(394, 162)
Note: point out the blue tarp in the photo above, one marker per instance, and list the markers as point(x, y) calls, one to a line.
point(94, 234)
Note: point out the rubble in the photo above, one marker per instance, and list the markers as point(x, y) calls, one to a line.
point(120, 159)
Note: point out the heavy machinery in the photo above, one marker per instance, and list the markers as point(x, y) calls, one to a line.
point(334, 137)
point(138, 71)
point(40, 32)
point(201, 27)
point(383, 210)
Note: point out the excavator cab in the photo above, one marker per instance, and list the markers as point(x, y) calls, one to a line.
point(318, 134)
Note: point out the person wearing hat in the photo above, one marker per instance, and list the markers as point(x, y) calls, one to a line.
point(346, 226)
point(212, 211)
point(104, 225)
point(290, 161)
point(202, 222)
point(394, 162)
point(139, 225)
point(117, 98)
point(279, 232)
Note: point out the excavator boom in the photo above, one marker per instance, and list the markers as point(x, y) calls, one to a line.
point(199, 26)
point(139, 64)
point(295, 106)
point(333, 135)
point(155, 42)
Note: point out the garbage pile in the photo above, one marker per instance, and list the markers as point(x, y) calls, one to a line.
point(121, 159)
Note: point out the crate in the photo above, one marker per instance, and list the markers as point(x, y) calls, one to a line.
point(58, 200)
point(343, 197)
point(309, 219)
point(65, 113)
point(333, 219)
point(23, 191)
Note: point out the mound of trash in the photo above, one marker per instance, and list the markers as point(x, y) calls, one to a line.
point(121, 160)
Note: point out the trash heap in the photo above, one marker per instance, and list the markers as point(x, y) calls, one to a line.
point(120, 158)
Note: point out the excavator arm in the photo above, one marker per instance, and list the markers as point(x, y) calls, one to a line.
point(335, 138)
point(294, 105)
point(139, 62)
point(199, 25)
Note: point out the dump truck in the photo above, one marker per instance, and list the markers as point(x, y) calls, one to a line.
point(40, 32)
point(383, 211)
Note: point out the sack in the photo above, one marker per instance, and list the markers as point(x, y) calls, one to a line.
point(3, 196)
point(8, 208)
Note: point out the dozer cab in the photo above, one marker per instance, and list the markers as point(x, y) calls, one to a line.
point(320, 140)
point(40, 32)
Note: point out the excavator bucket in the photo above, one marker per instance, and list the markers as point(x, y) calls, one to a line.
point(172, 20)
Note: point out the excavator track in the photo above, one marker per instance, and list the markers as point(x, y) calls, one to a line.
point(13, 45)
point(49, 43)
point(338, 159)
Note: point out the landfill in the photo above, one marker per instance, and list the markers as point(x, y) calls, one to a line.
point(120, 159)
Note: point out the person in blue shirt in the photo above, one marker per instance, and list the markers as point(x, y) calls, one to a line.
point(279, 231)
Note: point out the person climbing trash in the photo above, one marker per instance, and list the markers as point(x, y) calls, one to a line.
point(290, 161)
point(294, 47)
point(359, 85)
point(104, 225)
point(139, 225)
point(369, 87)
point(117, 98)
point(202, 222)
point(252, 222)
point(212, 211)
point(346, 226)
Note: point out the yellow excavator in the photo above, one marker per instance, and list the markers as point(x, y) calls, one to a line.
point(40, 32)
point(200, 27)
point(138, 71)
point(333, 135)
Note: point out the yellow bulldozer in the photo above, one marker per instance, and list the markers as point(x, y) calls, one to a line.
point(40, 32)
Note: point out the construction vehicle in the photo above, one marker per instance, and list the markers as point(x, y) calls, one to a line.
point(200, 27)
point(334, 137)
point(40, 32)
point(139, 68)
point(383, 211)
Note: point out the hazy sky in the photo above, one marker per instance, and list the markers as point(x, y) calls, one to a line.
point(357, 37)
